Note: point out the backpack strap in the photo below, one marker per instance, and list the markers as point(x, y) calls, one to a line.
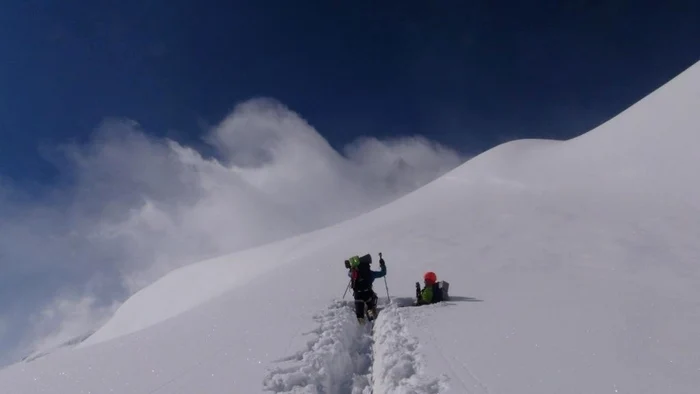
point(354, 274)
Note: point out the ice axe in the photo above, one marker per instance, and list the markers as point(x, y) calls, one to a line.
point(385, 283)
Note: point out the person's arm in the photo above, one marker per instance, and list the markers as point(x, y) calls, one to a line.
point(382, 271)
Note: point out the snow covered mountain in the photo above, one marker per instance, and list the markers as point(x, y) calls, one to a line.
point(573, 269)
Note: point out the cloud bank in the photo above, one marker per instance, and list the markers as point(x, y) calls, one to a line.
point(130, 207)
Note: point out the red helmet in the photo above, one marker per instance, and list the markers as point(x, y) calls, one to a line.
point(430, 277)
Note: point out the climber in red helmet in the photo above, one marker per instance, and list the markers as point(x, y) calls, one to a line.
point(433, 291)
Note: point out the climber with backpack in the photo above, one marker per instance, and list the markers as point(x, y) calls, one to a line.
point(433, 291)
point(361, 280)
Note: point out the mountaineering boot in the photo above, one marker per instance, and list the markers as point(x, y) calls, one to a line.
point(361, 320)
point(372, 314)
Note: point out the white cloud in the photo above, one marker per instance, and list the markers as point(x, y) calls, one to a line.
point(64, 321)
point(132, 207)
point(403, 164)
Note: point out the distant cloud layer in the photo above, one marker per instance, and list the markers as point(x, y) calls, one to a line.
point(131, 207)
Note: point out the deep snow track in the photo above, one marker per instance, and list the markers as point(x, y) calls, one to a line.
point(347, 358)
point(398, 363)
point(337, 361)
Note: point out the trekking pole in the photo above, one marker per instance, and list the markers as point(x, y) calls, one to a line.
point(385, 283)
point(346, 289)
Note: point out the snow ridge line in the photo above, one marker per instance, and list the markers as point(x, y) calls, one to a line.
point(398, 366)
point(337, 361)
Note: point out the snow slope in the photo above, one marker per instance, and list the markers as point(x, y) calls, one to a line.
point(573, 268)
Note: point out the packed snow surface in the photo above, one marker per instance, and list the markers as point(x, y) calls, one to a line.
point(573, 268)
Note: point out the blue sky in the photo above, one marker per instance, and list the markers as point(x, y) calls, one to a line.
point(467, 75)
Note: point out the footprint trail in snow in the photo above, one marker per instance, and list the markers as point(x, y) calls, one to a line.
point(347, 358)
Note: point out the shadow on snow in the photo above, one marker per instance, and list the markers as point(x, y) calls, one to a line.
point(411, 301)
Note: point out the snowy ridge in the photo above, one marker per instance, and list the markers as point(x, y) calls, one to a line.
point(73, 342)
point(349, 358)
point(582, 255)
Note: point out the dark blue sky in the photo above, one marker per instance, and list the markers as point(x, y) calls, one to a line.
point(470, 74)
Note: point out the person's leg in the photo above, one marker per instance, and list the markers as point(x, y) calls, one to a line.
point(360, 308)
point(372, 306)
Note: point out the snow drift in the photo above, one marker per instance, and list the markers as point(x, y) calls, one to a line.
point(580, 258)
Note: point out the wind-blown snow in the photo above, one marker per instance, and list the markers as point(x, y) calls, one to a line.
point(573, 267)
point(130, 207)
